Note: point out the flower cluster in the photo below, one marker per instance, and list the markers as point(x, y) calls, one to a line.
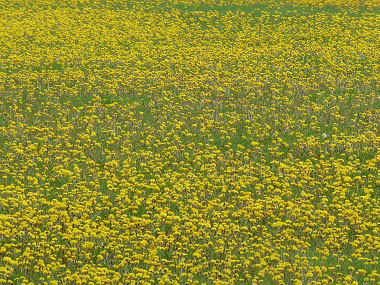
point(189, 142)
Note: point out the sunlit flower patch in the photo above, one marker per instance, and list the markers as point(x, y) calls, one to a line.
point(189, 142)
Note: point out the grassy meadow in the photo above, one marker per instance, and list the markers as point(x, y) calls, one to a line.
point(189, 142)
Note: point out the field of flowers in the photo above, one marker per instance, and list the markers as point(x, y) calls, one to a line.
point(189, 142)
